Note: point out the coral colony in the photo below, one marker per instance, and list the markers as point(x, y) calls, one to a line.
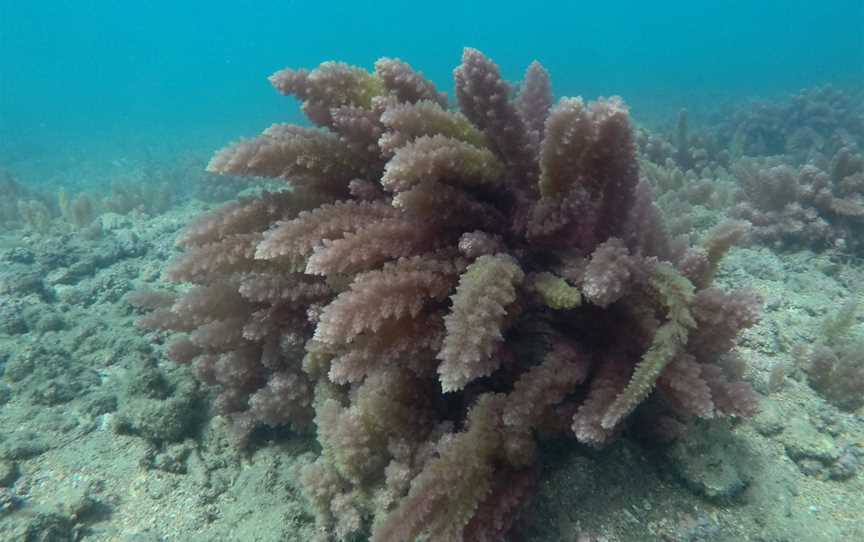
point(438, 288)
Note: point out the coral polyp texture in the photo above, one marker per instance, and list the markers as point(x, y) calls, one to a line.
point(437, 288)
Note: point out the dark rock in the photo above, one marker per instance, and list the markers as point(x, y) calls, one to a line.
point(768, 422)
point(802, 439)
point(9, 501)
point(23, 445)
point(11, 320)
point(8, 472)
point(845, 467)
point(19, 367)
point(54, 392)
point(147, 381)
point(50, 321)
point(50, 528)
point(158, 410)
point(812, 451)
point(20, 282)
point(129, 244)
point(712, 463)
point(145, 536)
point(99, 404)
point(173, 458)
point(19, 255)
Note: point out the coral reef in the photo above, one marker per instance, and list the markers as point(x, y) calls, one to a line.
point(808, 127)
point(21, 206)
point(692, 201)
point(815, 123)
point(805, 206)
point(436, 289)
point(835, 367)
point(797, 165)
point(678, 146)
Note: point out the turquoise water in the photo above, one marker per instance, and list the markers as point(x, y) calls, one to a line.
point(110, 111)
point(106, 78)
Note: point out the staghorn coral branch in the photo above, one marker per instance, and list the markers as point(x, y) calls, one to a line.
point(440, 158)
point(444, 497)
point(497, 513)
point(545, 385)
point(676, 293)
point(247, 215)
point(313, 156)
point(282, 287)
point(448, 206)
point(567, 145)
point(682, 382)
point(474, 325)
point(731, 397)
point(370, 247)
point(407, 341)
point(331, 85)
point(591, 150)
point(398, 290)
point(232, 253)
point(485, 99)
point(609, 380)
point(717, 243)
point(535, 100)
point(721, 316)
point(554, 291)
point(360, 130)
point(297, 237)
point(406, 84)
point(477, 243)
point(407, 122)
point(610, 273)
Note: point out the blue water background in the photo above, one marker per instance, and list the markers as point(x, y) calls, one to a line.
point(105, 81)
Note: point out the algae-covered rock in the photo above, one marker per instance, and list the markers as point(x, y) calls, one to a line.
point(20, 281)
point(713, 463)
point(40, 527)
point(76, 502)
point(172, 458)
point(141, 536)
point(812, 451)
point(769, 420)
point(51, 528)
point(99, 403)
point(9, 501)
point(159, 407)
point(12, 321)
point(5, 392)
point(8, 472)
point(23, 445)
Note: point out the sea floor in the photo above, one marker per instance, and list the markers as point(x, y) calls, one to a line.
point(103, 439)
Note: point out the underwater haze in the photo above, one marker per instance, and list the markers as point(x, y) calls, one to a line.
point(77, 73)
point(380, 271)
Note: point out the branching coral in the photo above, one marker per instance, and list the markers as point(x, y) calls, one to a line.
point(836, 363)
point(805, 206)
point(816, 122)
point(437, 287)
